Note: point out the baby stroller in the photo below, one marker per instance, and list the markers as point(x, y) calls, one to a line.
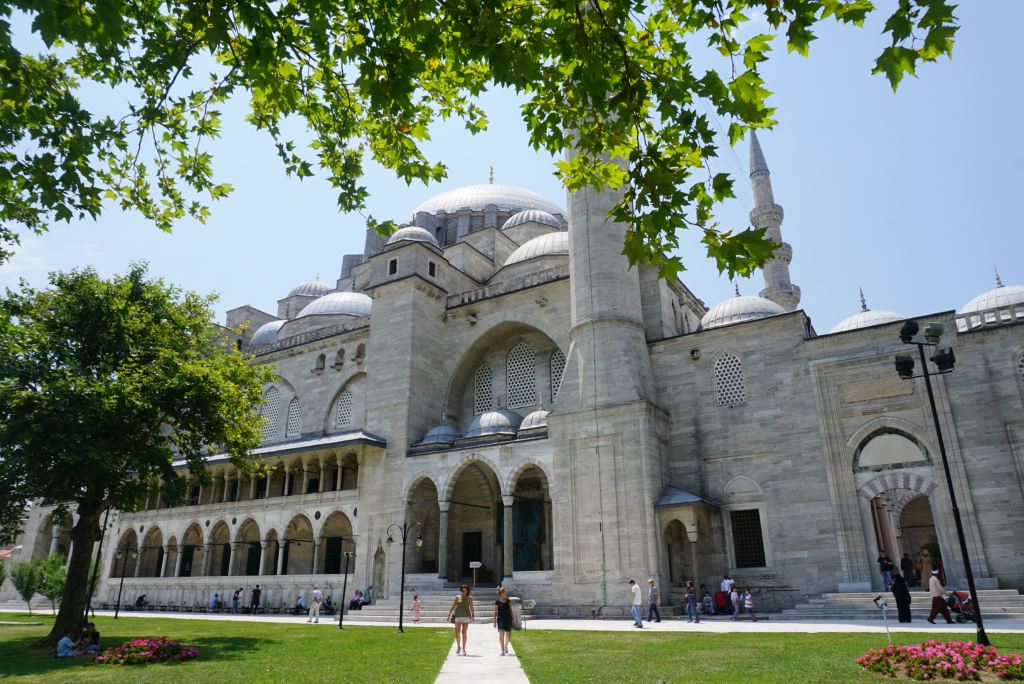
point(960, 605)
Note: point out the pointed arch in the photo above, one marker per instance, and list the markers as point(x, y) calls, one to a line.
point(466, 462)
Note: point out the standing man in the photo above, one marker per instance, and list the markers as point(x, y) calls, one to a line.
point(314, 608)
point(727, 583)
point(634, 590)
point(653, 601)
point(937, 592)
point(907, 568)
point(734, 599)
point(235, 598)
point(885, 566)
point(254, 603)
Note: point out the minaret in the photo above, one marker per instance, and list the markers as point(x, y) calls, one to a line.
point(767, 214)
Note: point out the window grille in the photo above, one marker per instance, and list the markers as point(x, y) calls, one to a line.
point(476, 223)
point(482, 392)
point(729, 378)
point(451, 229)
point(521, 371)
point(344, 418)
point(557, 368)
point(294, 426)
point(1020, 368)
point(747, 541)
point(271, 411)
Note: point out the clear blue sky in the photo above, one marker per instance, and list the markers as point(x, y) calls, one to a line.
point(910, 196)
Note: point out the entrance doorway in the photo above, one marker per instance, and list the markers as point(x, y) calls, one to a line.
point(472, 548)
point(919, 538)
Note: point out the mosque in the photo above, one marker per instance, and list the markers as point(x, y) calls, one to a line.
point(539, 414)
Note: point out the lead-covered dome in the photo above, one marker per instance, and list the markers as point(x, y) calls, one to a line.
point(494, 423)
point(412, 234)
point(532, 216)
point(537, 419)
point(477, 197)
point(312, 288)
point(440, 434)
point(552, 244)
point(996, 298)
point(739, 309)
point(866, 319)
point(339, 303)
point(266, 333)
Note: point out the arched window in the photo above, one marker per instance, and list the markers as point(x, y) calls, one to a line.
point(271, 411)
point(344, 416)
point(729, 379)
point(557, 368)
point(482, 392)
point(294, 426)
point(339, 358)
point(321, 361)
point(1020, 368)
point(521, 372)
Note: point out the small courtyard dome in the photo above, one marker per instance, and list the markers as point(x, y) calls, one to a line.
point(739, 309)
point(411, 234)
point(537, 419)
point(266, 333)
point(552, 244)
point(339, 304)
point(532, 216)
point(440, 434)
point(494, 423)
point(996, 298)
point(866, 319)
point(311, 288)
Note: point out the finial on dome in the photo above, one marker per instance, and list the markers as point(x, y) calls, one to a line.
point(490, 176)
point(736, 287)
point(863, 304)
point(999, 281)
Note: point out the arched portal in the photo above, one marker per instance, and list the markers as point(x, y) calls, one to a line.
point(531, 521)
point(125, 555)
point(335, 539)
point(191, 551)
point(248, 549)
point(473, 517)
point(918, 538)
point(152, 553)
point(219, 548)
point(678, 553)
point(298, 547)
point(423, 509)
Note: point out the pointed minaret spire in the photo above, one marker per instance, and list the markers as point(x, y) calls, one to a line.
point(999, 281)
point(490, 176)
point(863, 304)
point(768, 215)
point(737, 287)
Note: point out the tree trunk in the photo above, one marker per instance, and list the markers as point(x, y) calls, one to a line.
point(76, 590)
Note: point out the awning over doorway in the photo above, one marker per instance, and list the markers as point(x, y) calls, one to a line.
point(672, 496)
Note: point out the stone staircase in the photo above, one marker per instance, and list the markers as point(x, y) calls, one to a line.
point(995, 604)
point(436, 603)
point(40, 604)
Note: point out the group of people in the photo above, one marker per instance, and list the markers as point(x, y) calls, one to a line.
point(733, 601)
point(86, 642)
point(899, 584)
point(463, 611)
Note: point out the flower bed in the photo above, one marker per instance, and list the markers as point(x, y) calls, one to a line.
point(957, 660)
point(142, 651)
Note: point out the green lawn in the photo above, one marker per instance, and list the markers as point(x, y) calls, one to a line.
point(236, 652)
point(675, 658)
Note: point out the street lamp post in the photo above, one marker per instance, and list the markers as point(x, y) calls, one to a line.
point(944, 361)
point(344, 590)
point(403, 529)
point(124, 550)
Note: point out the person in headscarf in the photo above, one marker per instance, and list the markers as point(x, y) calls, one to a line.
point(901, 593)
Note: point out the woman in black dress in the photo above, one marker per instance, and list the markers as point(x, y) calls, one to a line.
point(503, 619)
point(902, 596)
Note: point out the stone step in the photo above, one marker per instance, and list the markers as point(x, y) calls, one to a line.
point(995, 603)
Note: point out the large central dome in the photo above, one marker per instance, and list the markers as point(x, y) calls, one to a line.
point(476, 197)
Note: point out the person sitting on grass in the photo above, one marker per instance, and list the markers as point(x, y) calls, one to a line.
point(66, 646)
point(329, 605)
point(90, 641)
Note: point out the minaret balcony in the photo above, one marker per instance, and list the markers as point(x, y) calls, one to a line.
point(765, 215)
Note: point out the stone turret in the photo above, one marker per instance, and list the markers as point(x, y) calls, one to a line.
point(767, 214)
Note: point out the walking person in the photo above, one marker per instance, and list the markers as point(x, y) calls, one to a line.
point(748, 603)
point(254, 601)
point(235, 597)
point(885, 567)
point(726, 587)
point(734, 599)
point(691, 603)
point(417, 606)
point(937, 592)
point(314, 608)
point(901, 593)
point(503, 619)
point(653, 601)
point(461, 613)
point(634, 608)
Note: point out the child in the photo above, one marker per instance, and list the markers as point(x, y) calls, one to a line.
point(748, 603)
point(709, 604)
point(734, 598)
point(416, 606)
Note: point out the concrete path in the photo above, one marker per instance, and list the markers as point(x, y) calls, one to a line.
point(484, 664)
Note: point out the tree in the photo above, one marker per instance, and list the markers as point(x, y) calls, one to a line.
point(611, 78)
point(53, 575)
point(27, 580)
point(108, 390)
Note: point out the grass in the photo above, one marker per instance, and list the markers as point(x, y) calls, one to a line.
point(235, 652)
point(674, 658)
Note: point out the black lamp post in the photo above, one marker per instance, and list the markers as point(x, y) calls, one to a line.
point(124, 550)
point(944, 360)
point(403, 529)
point(344, 589)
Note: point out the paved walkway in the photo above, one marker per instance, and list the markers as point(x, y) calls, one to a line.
point(483, 664)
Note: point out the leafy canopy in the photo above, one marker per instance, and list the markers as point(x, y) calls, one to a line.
point(105, 383)
point(614, 78)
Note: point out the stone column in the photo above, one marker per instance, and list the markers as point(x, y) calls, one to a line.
point(280, 557)
point(206, 560)
point(199, 499)
point(263, 555)
point(163, 565)
point(138, 562)
point(305, 479)
point(442, 541)
point(509, 540)
point(323, 478)
point(159, 499)
point(252, 488)
point(227, 487)
point(337, 477)
point(55, 539)
point(232, 558)
point(316, 557)
point(178, 555)
point(287, 481)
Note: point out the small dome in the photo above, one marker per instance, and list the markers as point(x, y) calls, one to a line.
point(866, 319)
point(412, 234)
point(440, 434)
point(996, 298)
point(477, 197)
point(739, 309)
point(266, 333)
point(339, 303)
point(552, 244)
point(537, 419)
point(532, 216)
point(312, 288)
point(495, 423)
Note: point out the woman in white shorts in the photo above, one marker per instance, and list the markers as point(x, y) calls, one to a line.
point(461, 613)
